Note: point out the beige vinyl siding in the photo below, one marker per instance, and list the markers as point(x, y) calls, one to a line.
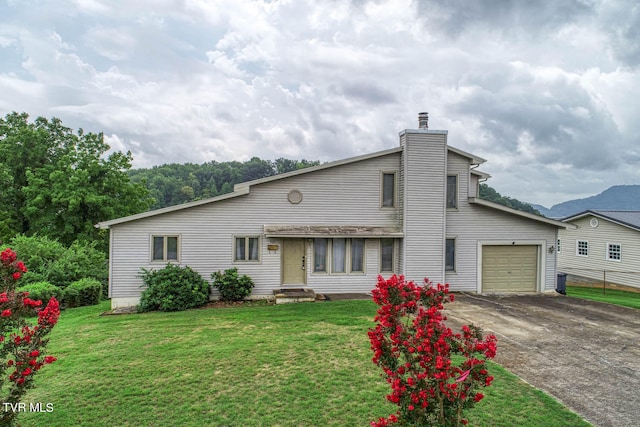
point(347, 195)
point(596, 263)
point(424, 163)
point(474, 225)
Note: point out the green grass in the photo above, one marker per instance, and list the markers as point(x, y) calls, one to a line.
point(288, 365)
point(612, 296)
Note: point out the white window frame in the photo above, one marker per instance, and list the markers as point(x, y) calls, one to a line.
point(585, 247)
point(165, 239)
point(348, 262)
point(608, 253)
point(455, 197)
point(246, 257)
point(393, 256)
point(364, 256)
point(455, 253)
point(394, 198)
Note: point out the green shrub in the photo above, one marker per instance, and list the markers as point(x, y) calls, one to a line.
point(173, 288)
point(42, 291)
point(83, 292)
point(231, 285)
point(49, 261)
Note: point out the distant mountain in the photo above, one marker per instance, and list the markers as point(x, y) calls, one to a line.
point(618, 197)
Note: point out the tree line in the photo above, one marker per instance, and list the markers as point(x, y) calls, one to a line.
point(173, 184)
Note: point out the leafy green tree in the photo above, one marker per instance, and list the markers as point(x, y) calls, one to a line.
point(488, 193)
point(172, 184)
point(59, 184)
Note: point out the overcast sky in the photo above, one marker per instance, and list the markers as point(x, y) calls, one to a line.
point(547, 91)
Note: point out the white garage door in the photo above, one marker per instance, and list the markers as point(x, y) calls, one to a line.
point(509, 268)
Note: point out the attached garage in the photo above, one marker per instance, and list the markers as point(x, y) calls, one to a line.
point(509, 268)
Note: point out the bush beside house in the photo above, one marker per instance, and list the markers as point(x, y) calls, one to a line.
point(231, 285)
point(173, 288)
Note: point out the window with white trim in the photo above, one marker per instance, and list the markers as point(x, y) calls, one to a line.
point(614, 252)
point(387, 251)
point(388, 190)
point(450, 255)
point(338, 256)
point(320, 255)
point(164, 248)
point(452, 191)
point(246, 248)
point(357, 256)
point(582, 248)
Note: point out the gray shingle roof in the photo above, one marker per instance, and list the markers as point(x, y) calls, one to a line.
point(629, 218)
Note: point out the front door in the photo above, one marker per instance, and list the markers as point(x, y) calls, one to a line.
point(293, 262)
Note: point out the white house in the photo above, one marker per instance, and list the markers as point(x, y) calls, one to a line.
point(603, 246)
point(333, 228)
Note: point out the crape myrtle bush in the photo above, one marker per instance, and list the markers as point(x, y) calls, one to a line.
point(83, 292)
point(22, 344)
point(413, 346)
point(173, 288)
point(43, 291)
point(49, 261)
point(231, 285)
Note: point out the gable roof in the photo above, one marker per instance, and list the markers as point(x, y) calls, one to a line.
point(630, 219)
point(488, 204)
point(244, 188)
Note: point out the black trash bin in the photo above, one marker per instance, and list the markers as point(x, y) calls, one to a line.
point(561, 287)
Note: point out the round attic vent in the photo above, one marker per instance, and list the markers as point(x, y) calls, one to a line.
point(294, 196)
point(594, 222)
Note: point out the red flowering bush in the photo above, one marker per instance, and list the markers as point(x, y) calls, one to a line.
point(21, 344)
point(414, 348)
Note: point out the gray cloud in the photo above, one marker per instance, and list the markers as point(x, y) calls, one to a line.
point(546, 91)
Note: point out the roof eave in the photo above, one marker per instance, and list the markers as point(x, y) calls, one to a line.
point(107, 224)
point(601, 216)
point(556, 223)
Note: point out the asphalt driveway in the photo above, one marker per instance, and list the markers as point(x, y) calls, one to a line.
point(586, 354)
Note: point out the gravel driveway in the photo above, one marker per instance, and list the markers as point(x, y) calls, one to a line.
point(586, 354)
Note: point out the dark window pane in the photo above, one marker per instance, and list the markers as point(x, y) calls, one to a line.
point(452, 191)
point(158, 248)
point(320, 255)
point(240, 249)
point(357, 255)
point(386, 252)
point(388, 188)
point(172, 248)
point(254, 248)
point(339, 252)
point(450, 255)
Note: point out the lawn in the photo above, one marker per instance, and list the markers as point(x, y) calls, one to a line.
point(612, 296)
point(303, 364)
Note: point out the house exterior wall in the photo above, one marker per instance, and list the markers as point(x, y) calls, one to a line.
point(346, 193)
point(473, 226)
point(424, 163)
point(596, 265)
point(343, 195)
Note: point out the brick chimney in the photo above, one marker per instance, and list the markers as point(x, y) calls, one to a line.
point(423, 120)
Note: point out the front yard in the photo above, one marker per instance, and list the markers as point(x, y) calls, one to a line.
point(260, 365)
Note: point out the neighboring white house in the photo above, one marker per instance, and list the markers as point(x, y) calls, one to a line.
point(333, 228)
point(604, 246)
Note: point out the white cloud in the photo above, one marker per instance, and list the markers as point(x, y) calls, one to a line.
point(546, 92)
